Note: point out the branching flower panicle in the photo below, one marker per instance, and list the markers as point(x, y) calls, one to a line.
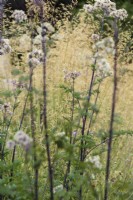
point(4, 47)
point(74, 133)
point(106, 6)
point(19, 16)
point(95, 37)
point(6, 108)
point(102, 49)
point(23, 140)
point(89, 8)
point(58, 188)
point(16, 84)
point(96, 161)
point(10, 144)
point(103, 68)
point(106, 45)
point(60, 134)
point(120, 14)
point(71, 75)
point(38, 2)
point(35, 58)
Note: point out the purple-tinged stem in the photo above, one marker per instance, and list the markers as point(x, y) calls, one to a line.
point(111, 129)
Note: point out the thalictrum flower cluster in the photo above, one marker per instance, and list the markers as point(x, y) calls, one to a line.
point(103, 48)
point(58, 188)
point(35, 58)
point(16, 84)
point(6, 108)
point(119, 14)
point(19, 16)
point(108, 8)
point(95, 37)
point(96, 161)
point(22, 139)
point(71, 75)
point(4, 47)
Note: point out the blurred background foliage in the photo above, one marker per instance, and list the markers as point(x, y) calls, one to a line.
point(127, 4)
point(20, 4)
point(58, 10)
point(72, 6)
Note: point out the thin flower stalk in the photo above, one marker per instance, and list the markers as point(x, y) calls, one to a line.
point(36, 172)
point(19, 128)
point(66, 184)
point(8, 126)
point(95, 103)
point(33, 127)
point(2, 4)
point(89, 93)
point(111, 129)
point(92, 114)
point(45, 122)
point(84, 120)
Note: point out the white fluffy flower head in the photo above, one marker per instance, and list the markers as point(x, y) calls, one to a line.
point(103, 68)
point(106, 46)
point(35, 57)
point(71, 75)
point(95, 37)
point(10, 144)
point(58, 188)
point(23, 140)
point(120, 14)
point(105, 5)
point(4, 47)
point(96, 161)
point(6, 108)
point(19, 16)
point(89, 8)
point(60, 134)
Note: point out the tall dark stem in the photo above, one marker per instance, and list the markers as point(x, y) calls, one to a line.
point(112, 113)
point(20, 125)
point(84, 120)
point(45, 123)
point(95, 103)
point(36, 171)
point(3, 148)
point(2, 3)
point(91, 118)
point(82, 150)
point(65, 184)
